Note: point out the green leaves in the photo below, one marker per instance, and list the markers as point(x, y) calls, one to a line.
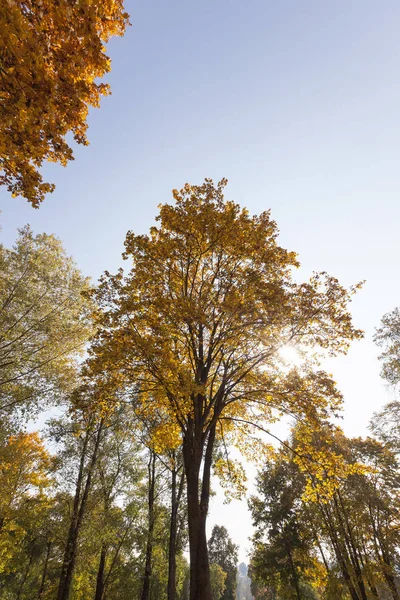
point(44, 321)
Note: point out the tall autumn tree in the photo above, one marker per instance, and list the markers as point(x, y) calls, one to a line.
point(52, 55)
point(195, 328)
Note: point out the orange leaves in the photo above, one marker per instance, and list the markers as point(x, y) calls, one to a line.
point(51, 54)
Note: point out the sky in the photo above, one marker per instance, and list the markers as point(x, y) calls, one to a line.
point(297, 103)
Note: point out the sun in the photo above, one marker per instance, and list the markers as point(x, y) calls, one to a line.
point(291, 356)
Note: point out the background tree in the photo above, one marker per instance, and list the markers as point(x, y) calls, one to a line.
point(284, 556)
point(73, 524)
point(24, 477)
point(387, 337)
point(333, 503)
point(217, 579)
point(44, 321)
point(196, 326)
point(52, 56)
point(86, 438)
point(223, 552)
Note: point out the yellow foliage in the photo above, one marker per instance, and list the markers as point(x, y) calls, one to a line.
point(51, 54)
point(325, 467)
point(24, 475)
point(166, 436)
point(194, 330)
point(24, 469)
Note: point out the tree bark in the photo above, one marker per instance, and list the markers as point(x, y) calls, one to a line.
point(44, 574)
point(99, 593)
point(200, 587)
point(149, 545)
point(176, 495)
point(79, 507)
point(340, 552)
point(349, 541)
point(382, 554)
point(388, 570)
point(295, 575)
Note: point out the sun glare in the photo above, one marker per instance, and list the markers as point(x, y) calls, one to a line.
point(291, 356)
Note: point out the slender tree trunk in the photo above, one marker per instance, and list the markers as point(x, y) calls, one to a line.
point(341, 555)
point(79, 507)
point(149, 545)
point(388, 570)
point(113, 561)
point(367, 570)
point(176, 495)
point(382, 554)
point(200, 587)
point(392, 585)
point(44, 574)
point(349, 539)
point(294, 572)
point(322, 553)
point(316, 537)
point(28, 568)
point(100, 575)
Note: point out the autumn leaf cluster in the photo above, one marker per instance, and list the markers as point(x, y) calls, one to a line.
point(52, 55)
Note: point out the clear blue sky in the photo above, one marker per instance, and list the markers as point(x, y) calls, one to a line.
point(295, 102)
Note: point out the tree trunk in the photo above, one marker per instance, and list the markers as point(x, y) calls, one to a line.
point(340, 552)
point(294, 572)
point(78, 512)
point(175, 501)
point(149, 545)
point(200, 587)
point(113, 561)
point(44, 574)
point(367, 570)
point(322, 553)
point(28, 568)
point(388, 571)
point(100, 575)
point(349, 540)
point(382, 554)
